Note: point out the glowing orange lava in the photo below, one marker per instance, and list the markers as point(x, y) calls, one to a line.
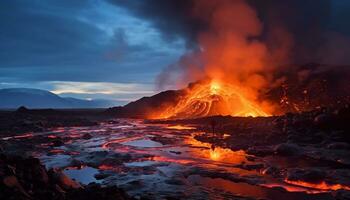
point(209, 98)
point(215, 154)
point(320, 186)
point(181, 127)
point(165, 159)
point(106, 167)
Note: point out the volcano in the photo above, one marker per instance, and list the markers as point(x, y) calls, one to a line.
point(211, 97)
point(200, 99)
point(317, 88)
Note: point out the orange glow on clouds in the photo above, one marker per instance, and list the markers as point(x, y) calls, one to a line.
point(237, 64)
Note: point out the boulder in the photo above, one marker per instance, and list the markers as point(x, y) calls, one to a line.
point(100, 176)
point(57, 143)
point(323, 120)
point(63, 180)
point(271, 170)
point(341, 195)
point(10, 181)
point(87, 136)
point(260, 151)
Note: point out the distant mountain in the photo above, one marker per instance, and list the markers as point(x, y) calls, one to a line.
point(35, 98)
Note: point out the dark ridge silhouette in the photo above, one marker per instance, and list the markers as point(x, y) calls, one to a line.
point(13, 98)
point(142, 107)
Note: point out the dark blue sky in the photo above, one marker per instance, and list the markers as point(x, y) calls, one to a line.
point(115, 49)
point(94, 49)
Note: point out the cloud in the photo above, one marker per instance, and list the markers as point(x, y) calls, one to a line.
point(79, 41)
point(98, 87)
point(171, 17)
point(124, 92)
point(310, 24)
point(117, 41)
point(89, 90)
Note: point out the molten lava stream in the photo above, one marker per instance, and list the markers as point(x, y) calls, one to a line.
point(319, 186)
point(214, 98)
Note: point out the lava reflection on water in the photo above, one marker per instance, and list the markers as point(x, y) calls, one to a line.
point(171, 160)
point(219, 154)
point(215, 154)
point(227, 155)
point(27, 135)
point(181, 127)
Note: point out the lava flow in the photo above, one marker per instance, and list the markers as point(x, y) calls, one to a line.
point(320, 186)
point(209, 98)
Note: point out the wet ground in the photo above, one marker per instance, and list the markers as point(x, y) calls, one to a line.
point(159, 161)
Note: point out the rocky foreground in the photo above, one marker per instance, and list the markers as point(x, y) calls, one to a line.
point(309, 150)
point(313, 147)
point(25, 120)
point(27, 178)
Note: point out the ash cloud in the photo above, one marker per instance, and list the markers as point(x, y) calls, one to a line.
point(171, 17)
point(315, 28)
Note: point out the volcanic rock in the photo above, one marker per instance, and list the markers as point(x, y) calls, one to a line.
point(76, 163)
point(175, 152)
point(95, 191)
point(100, 176)
point(63, 180)
point(341, 176)
point(285, 149)
point(57, 143)
point(175, 181)
point(338, 145)
point(25, 179)
point(87, 136)
point(10, 181)
point(260, 150)
point(252, 166)
point(306, 175)
point(323, 120)
point(271, 170)
point(342, 195)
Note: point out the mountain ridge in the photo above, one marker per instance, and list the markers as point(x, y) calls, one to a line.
point(36, 98)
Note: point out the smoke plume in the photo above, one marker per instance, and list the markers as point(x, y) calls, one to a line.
point(257, 46)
